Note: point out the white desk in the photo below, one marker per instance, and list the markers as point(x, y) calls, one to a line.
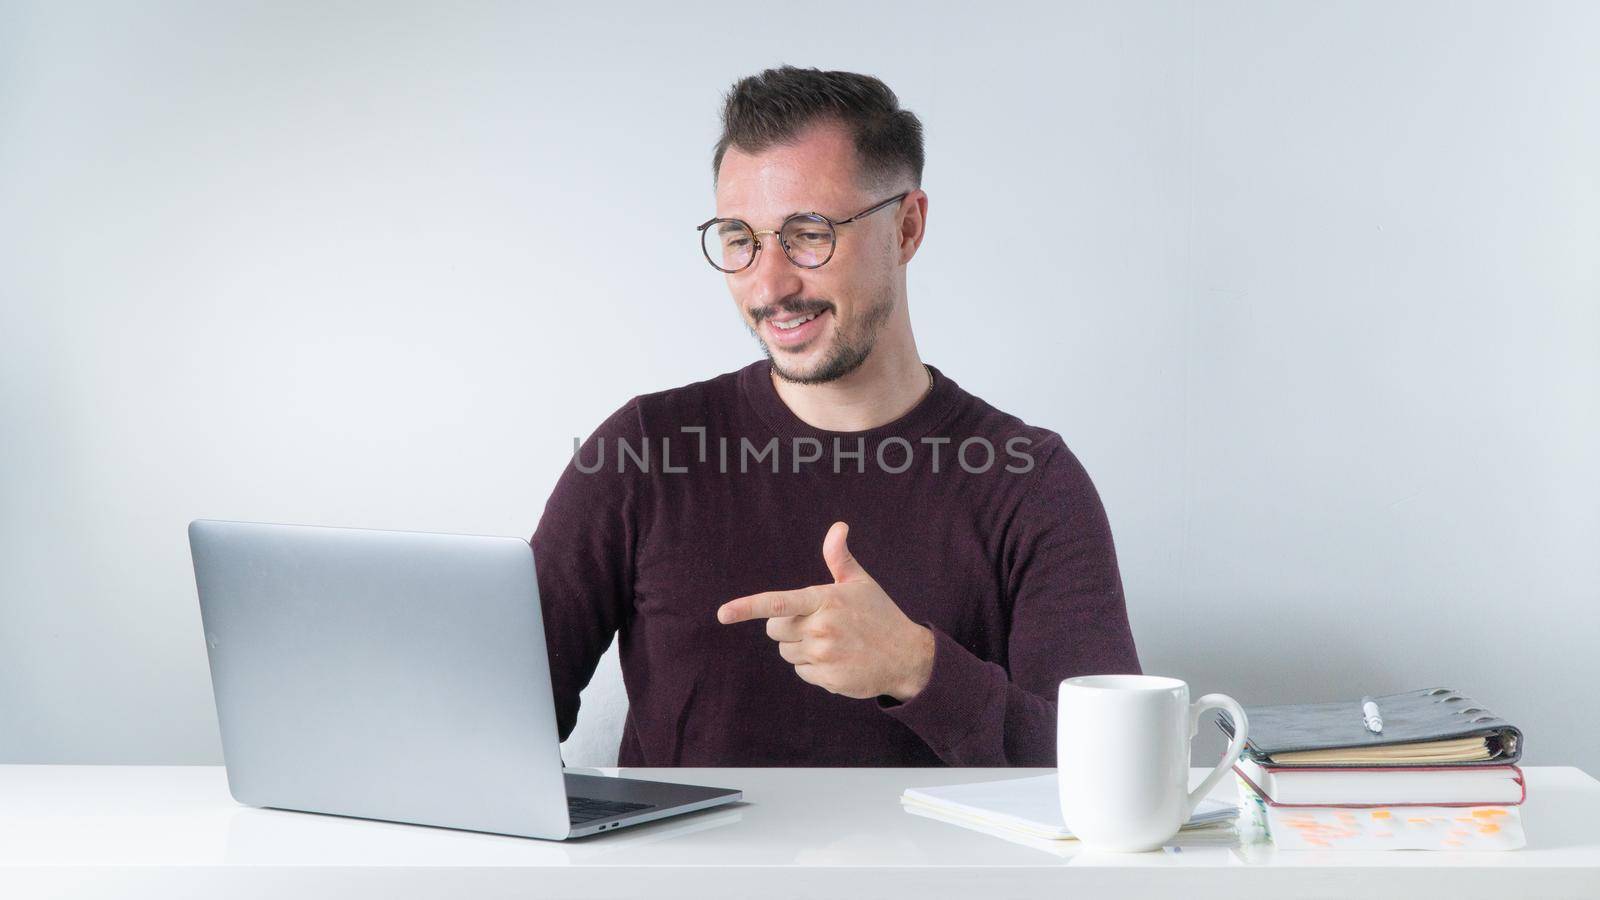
point(118, 831)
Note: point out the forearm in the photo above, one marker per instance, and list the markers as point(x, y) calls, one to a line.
point(970, 712)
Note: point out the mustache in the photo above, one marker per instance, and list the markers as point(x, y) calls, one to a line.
point(795, 307)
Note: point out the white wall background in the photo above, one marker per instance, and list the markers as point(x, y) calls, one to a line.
point(1310, 288)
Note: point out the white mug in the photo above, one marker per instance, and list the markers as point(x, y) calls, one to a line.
point(1122, 745)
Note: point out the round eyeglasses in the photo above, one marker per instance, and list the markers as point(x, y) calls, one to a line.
point(808, 239)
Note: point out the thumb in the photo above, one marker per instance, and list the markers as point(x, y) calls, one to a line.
point(836, 553)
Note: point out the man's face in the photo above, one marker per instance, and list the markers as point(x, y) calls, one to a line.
point(852, 296)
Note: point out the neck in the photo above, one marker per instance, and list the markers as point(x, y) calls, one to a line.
point(885, 387)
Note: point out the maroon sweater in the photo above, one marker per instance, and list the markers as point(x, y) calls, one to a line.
point(1011, 565)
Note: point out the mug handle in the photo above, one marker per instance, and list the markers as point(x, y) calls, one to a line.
point(1241, 729)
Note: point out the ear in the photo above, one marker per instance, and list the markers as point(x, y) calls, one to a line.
point(913, 224)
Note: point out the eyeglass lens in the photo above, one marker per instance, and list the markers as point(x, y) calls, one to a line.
point(807, 240)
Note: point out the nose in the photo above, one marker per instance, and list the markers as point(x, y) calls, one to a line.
point(771, 277)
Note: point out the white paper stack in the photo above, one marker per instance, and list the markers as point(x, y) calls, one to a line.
point(1029, 808)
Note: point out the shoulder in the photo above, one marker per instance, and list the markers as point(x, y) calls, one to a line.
point(663, 412)
point(1033, 447)
point(1055, 481)
point(692, 404)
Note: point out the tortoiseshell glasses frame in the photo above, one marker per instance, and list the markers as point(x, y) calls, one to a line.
point(808, 249)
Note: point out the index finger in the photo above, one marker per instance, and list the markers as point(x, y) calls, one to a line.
point(766, 605)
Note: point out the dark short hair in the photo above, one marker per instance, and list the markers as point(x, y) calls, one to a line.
point(776, 106)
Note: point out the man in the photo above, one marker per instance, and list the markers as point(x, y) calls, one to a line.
point(834, 556)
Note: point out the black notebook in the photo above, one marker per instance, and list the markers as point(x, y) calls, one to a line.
point(1430, 727)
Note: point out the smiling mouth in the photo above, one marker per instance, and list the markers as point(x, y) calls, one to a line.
point(795, 323)
point(796, 332)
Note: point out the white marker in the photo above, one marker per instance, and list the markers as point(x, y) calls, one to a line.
point(1369, 712)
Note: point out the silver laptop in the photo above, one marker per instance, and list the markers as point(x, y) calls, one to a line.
point(399, 676)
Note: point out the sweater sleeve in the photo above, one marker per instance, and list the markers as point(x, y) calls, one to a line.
point(1068, 618)
point(583, 553)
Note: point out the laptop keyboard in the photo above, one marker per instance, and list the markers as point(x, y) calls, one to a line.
point(581, 810)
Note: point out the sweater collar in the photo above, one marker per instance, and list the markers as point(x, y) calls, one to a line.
point(755, 382)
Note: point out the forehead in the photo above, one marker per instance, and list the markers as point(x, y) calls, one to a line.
point(816, 171)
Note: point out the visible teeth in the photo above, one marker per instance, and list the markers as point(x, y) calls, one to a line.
point(795, 324)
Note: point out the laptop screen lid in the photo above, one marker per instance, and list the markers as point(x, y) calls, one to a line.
point(382, 674)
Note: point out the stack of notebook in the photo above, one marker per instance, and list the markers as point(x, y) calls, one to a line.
point(1440, 773)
